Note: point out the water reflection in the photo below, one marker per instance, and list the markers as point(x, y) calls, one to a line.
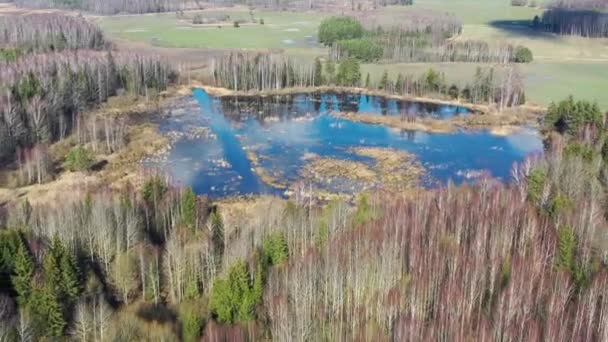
point(280, 134)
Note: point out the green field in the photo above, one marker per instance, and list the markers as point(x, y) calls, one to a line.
point(562, 65)
point(280, 30)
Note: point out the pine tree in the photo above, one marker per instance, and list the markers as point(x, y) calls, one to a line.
point(399, 84)
point(368, 82)
point(319, 79)
point(217, 236)
point(70, 283)
point(55, 320)
point(384, 81)
point(23, 273)
point(189, 212)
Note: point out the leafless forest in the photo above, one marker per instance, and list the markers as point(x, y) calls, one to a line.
point(155, 6)
point(151, 260)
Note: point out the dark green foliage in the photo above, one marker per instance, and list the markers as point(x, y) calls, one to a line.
point(566, 251)
point(79, 159)
point(334, 29)
point(189, 209)
point(505, 272)
point(383, 85)
point(47, 311)
point(536, 184)
point(362, 49)
point(330, 68)
point(191, 319)
point(154, 190)
point(9, 246)
point(453, 91)
point(364, 211)
point(23, 273)
point(522, 55)
point(580, 150)
point(349, 73)
point(10, 54)
point(234, 297)
point(217, 236)
point(569, 116)
point(400, 84)
point(319, 79)
point(432, 80)
point(368, 82)
point(275, 248)
point(605, 152)
point(558, 205)
point(51, 302)
point(26, 88)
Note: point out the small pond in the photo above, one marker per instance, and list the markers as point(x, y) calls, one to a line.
point(252, 145)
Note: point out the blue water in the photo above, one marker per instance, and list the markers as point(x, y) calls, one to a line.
point(284, 131)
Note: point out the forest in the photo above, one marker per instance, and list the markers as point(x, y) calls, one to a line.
point(110, 7)
point(152, 259)
point(524, 266)
point(244, 72)
point(580, 18)
point(419, 37)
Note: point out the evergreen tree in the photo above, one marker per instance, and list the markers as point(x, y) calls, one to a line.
point(189, 210)
point(399, 84)
point(384, 81)
point(234, 298)
point(23, 273)
point(330, 68)
point(367, 81)
point(275, 248)
point(319, 79)
point(70, 284)
point(217, 236)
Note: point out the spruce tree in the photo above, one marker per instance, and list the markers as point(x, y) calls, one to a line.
point(23, 273)
point(188, 207)
point(217, 236)
point(70, 284)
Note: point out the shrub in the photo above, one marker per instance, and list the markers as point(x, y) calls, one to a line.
point(236, 24)
point(334, 29)
point(79, 159)
point(522, 55)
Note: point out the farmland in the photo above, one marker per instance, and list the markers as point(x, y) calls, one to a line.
point(562, 65)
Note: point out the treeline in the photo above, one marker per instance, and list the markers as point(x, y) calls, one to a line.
point(397, 48)
point(501, 88)
point(413, 41)
point(43, 94)
point(439, 25)
point(242, 71)
point(262, 72)
point(107, 6)
point(578, 4)
point(36, 33)
point(110, 7)
point(162, 264)
point(579, 22)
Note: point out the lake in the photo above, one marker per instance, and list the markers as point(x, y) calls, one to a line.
point(265, 145)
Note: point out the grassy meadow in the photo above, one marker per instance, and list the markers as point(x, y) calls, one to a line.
point(562, 65)
point(280, 30)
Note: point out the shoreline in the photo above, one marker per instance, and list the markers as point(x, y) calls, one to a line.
point(480, 117)
point(225, 92)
